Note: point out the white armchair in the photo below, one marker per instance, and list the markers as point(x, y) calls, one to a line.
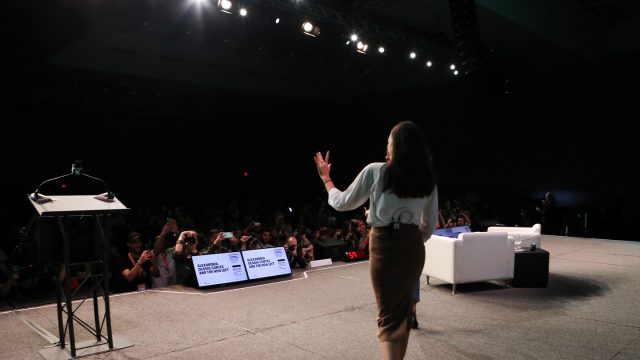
point(472, 257)
point(522, 237)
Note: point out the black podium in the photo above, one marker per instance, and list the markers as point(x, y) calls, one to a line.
point(63, 210)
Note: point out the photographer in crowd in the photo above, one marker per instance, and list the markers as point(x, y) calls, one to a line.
point(136, 267)
point(164, 248)
point(186, 247)
point(295, 254)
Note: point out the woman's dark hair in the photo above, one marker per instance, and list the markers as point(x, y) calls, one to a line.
point(409, 173)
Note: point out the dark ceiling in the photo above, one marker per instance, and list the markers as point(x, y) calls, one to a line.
point(191, 42)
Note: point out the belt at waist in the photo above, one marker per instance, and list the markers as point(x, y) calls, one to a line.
point(394, 226)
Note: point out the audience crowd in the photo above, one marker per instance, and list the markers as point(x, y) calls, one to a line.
point(152, 246)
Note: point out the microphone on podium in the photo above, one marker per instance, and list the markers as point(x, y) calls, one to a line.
point(77, 169)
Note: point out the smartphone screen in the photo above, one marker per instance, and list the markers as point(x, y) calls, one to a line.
point(228, 234)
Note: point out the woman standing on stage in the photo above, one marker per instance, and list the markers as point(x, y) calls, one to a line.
point(403, 214)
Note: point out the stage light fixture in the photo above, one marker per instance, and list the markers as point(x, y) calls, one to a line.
point(243, 12)
point(362, 47)
point(412, 55)
point(452, 67)
point(309, 29)
point(354, 37)
point(225, 6)
point(429, 63)
point(277, 20)
point(455, 72)
point(381, 49)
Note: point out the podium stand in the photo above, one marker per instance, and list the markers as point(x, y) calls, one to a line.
point(98, 208)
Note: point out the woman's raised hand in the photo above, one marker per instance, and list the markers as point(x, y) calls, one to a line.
point(323, 165)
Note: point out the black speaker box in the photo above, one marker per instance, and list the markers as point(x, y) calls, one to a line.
point(329, 248)
point(531, 268)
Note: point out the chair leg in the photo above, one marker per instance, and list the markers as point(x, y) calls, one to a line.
point(427, 279)
point(453, 289)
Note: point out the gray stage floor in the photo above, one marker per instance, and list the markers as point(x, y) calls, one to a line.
point(590, 310)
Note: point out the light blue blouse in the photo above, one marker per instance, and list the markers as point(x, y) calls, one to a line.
point(386, 207)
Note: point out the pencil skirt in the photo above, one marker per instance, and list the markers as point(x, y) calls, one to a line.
point(396, 262)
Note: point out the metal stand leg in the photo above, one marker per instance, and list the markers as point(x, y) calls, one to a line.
point(61, 334)
point(62, 221)
point(96, 312)
point(105, 271)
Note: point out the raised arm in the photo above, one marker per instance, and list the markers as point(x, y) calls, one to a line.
point(324, 168)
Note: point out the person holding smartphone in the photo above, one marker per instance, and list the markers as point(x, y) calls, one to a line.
point(403, 213)
point(137, 266)
point(164, 248)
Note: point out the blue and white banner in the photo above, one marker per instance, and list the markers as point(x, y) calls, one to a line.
point(215, 269)
point(269, 262)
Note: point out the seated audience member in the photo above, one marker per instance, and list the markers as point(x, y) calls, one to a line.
point(164, 248)
point(295, 253)
point(164, 263)
point(186, 247)
point(136, 267)
point(223, 245)
point(8, 277)
point(307, 246)
point(266, 238)
point(463, 220)
point(211, 246)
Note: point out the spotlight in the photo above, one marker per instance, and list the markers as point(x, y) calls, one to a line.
point(362, 47)
point(455, 72)
point(429, 63)
point(243, 12)
point(381, 49)
point(309, 29)
point(225, 6)
point(277, 20)
point(354, 37)
point(452, 67)
point(412, 55)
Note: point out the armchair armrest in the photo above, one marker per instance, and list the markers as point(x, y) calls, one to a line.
point(440, 259)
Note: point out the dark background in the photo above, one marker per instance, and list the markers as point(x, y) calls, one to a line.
point(172, 104)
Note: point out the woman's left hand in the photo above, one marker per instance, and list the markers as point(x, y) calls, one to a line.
point(324, 168)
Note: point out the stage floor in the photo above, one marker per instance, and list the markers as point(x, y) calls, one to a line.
point(589, 310)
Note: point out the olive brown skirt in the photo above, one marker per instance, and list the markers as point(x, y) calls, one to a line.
point(396, 262)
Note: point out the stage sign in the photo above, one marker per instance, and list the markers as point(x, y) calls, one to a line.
point(216, 269)
point(264, 263)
